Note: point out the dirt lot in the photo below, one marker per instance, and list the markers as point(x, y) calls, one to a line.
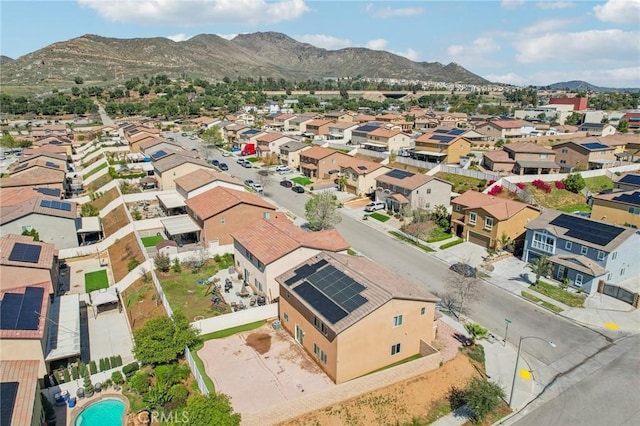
point(106, 198)
point(114, 220)
point(142, 303)
point(121, 253)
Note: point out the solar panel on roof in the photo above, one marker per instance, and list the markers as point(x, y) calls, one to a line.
point(25, 253)
point(632, 179)
point(8, 393)
point(399, 174)
point(20, 167)
point(440, 131)
point(10, 310)
point(633, 198)
point(321, 303)
point(304, 271)
point(362, 167)
point(587, 230)
point(339, 287)
point(456, 132)
point(594, 145)
point(158, 154)
point(50, 164)
point(45, 203)
point(29, 318)
point(49, 191)
point(442, 138)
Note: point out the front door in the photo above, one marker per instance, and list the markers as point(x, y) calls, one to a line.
point(246, 276)
point(299, 335)
point(561, 274)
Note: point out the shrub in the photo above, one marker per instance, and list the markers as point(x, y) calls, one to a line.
point(559, 184)
point(117, 378)
point(139, 382)
point(456, 397)
point(162, 262)
point(118, 361)
point(451, 244)
point(67, 376)
point(133, 263)
point(574, 183)
point(74, 373)
point(114, 362)
point(83, 368)
point(495, 190)
point(176, 266)
point(92, 367)
point(482, 397)
point(542, 185)
point(492, 181)
point(107, 364)
point(179, 391)
point(129, 369)
point(521, 185)
point(101, 364)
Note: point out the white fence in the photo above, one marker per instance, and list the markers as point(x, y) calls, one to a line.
point(371, 153)
point(93, 249)
point(416, 163)
point(235, 319)
point(469, 173)
point(196, 372)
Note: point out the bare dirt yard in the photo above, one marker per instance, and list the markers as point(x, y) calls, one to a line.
point(142, 303)
point(114, 220)
point(121, 253)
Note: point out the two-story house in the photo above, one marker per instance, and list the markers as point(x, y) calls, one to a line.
point(281, 122)
point(586, 155)
point(442, 146)
point(268, 248)
point(290, 153)
point(353, 316)
point(583, 251)
point(360, 134)
point(202, 180)
point(341, 131)
point(597, 129)
point(20, 384)
point(33, 261)
point(360, 175)
point(269, 143)
point(485, 220)
point(339, 116)
point(318, 127)
point(627, 182)
point(387, 140)
point(522, 158)
point(619, 208)
point(319, 162)
point(402, 189)
point(173, 166)
point(504, 129)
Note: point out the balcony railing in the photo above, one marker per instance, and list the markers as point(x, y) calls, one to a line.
point(548, 248)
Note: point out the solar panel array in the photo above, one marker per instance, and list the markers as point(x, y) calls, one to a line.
point(442, 138)
point(362, 167)
point(22, 252)
point(339, 287)
point(58, 205)
point(632, 179)
point(49, 191)
point(456, 132)
point(8, 393)
point(50, 164)
point(594, 145)
point(367, 128)
point(158, 154)
point(304, 271)
point(399, 174)
point(21, 311)
point(321, 303)
point(587, 230)
point(20, 167)
point(633, 198)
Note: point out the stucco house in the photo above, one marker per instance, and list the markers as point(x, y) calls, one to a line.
point(402, 189)
point(318, 162)
point(268, 248)
point(20, 381)
point(521, 158)
point(360, 175)
point(148, 147)
point(269, 143)
point(442, 146)
point(387, 140)
point(219, 212)
point(505, 129)
point(360, 134)
point(318, 127)
point(585, 155)
point(341, 131)
point(486, 220)
point(173, 166)
point(597, 129)
point(281, 122)
point(618, 208)
point(353, 316)
point(290, 153)
point(583, 251)
point(33, 261)
point(202, 180)
point(627, 182)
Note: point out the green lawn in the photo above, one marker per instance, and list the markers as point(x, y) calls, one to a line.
point(598, 184)
point(152, 240)
point(302, 180)
point(94, 171)
point(251, 159)
point(541, 302)
point(185, 294)
point(559, 199)
point(379, 216)
point(95, 280)
point(462, 184)
point(410, 241)
point(556, 293)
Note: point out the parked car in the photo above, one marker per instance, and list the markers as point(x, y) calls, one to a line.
point(241, 160)
point(184, 134)
point(223, 166)
point(285, 171)
point(225, 153)
point(257, 187)
point(376, 205)
point(298, 188)
point(248, 182)
point(215, 162)
point(464, 269)
point(281, 167)
point(286, 183)
point(247, 165)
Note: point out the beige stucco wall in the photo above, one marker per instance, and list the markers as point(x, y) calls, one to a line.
point(397, 142)
point(27, 276)
point(166, 179)
point(24, 349)
point(235, 218)
point(513, 227)
point(363, 184)
point(457, 149)
point(613, 212)
point(440, 195)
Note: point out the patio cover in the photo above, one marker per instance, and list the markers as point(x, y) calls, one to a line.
point(541, 164)
point(400, 198)
point(147, 167)
point(104, 296)
point(63, 340)
point(89, 224)
point(379, 145)
point(177, 225)
point(430, 153)
point(172, 200)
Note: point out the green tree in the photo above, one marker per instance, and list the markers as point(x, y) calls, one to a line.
point(574, 182)
point(541, 266)
point(482, 397)
point(32, 233)
point(574, 119)
point(322, 211)
point(163, 262)
point(441, 217)
point(163, 340)
point(623, 126)
point(211, 410)
point(78, 80)
point(476, 331)
point(212, 136)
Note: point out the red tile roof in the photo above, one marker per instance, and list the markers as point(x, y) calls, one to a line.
point(500, 208)
point(219, 199)
point(26, 374)
point(317, 152)
point(47, 253)
point(385, 133)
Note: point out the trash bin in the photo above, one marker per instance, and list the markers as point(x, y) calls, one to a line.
point(72, 402)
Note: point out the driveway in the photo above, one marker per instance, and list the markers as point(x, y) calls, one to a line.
point(261, 368)
point(465, 252)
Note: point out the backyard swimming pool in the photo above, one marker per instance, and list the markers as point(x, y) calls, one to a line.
point(107, 412)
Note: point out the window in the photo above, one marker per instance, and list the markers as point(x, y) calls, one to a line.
point(584, 250)
point(397, 321)
point(579, 280)
point(634, 210)
point(458, 207)
point(600, 255)
point(427, 206)
point(614, 255)
point(544, 242)
point(565, 151)
point(563, 161)
point(428, 190)
point(568, 245)
point(288, 295)
point(266, 215)
point(544, 155)
point(286, 317)
point(473, 216)
point(423, 310)
point(622, 272)
point(320, 353)
point(488, 223)
point(609, 276)
point(395, 349)
point(222, 220)
point(320, 326)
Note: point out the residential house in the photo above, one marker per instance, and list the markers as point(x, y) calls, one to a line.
point(151, 146)
point(382, 319)
point(204, 123)
point(360, 175)
point(618, 208)
point(522, 158)
point(597, 129)
point(583, 251)
point(402, 189)
point(232, 132)
point(33, 261)
point(387, 140)
point(202, 180)
point(49, 159)
point(557, 113)
point(452, 119)
point(51, 148)
point(220, 212)
point(142, 138)
point(341, 131)
point(363, 118)
point(318, 127)
point(442, 146)
point(55, 221)
point(13, 196)
point(299, 123)
point(426, 122)
point(584, 156)
point(490, 221)
point(627, 182)
point(173, 166)
point(318, 162)
point(36, 173)
point(339, 116)
point(633, 120)
point(360, 135)
point(290, 153)
point(505, 129)
point(20, 389)
point(248, 138)
point(269, 144)
point(281, 122)
point(268, 247)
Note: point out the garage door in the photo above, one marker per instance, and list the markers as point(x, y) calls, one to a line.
point(479, 239)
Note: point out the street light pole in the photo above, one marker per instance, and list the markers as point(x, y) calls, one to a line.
point(506, 331)
point(515, 371)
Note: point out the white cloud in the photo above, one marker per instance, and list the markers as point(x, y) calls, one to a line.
point(588, 46)
point(547, 25)
point(511, 4)
point(620, 11)
point(409, 54)
point(555, 4)
point(477, 53)
point(324, 41)
point(392, 12)
point(197, 12)
point(376, 44)
point(179, 37)
point(509, 78)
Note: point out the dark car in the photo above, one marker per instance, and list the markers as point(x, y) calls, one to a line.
point(464, 269)
point(286, 183)
point(299, 189)
point(223, 166)
point(215, 162)
point(248, 182)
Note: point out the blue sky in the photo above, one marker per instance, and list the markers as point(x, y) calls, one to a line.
point(510, 41)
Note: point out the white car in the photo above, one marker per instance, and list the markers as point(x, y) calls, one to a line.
point(225, 153)
point(281, 168)
point(285, 171)
point(372, 207)
point(257, 187)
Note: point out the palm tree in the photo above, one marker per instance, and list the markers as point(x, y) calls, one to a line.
point(541, 266)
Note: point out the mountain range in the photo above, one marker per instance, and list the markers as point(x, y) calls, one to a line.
point(263, 54)
point(579, 85)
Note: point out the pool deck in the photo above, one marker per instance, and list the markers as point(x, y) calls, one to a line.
point(81, 404)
